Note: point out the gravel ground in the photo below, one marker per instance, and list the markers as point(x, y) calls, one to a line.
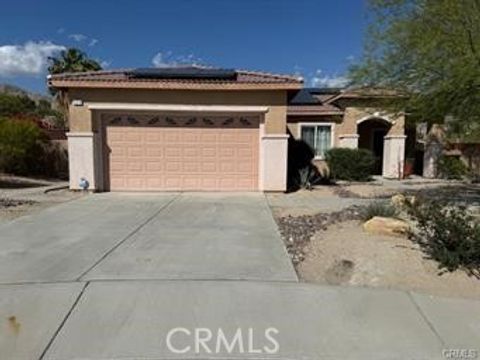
point(297, 231)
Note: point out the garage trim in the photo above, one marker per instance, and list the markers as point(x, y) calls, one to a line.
point(178, 108)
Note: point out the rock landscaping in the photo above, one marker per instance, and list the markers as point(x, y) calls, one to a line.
point(8, 203)
point(386, 226)
point(297, 231)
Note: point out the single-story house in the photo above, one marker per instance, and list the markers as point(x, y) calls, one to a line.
point(196, 128)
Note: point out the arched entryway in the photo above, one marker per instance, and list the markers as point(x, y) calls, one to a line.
point(372, 132)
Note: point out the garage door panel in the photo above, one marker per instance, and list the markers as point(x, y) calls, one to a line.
point(190, 151)
point(117, 166)
point(227, 167)
point(208, 155)
point(171, 136)
point(227, 138)
point(134, 167)
point(191, 167)
point(245, 152)
point(207, 137)
point(190, 137)
point(173, 167)
point(135, 151)
point(154, 166)
point(132, 136)
point(208, 151)
point(153, 151)
point(173, 152)
point(153, 136)
point(208, 167)
point(243, 167)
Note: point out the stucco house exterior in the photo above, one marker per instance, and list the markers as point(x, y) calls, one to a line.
point(208, 129)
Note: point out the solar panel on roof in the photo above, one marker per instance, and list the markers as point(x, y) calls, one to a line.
point(303, 97)
point(323, 90)
point(184, 73)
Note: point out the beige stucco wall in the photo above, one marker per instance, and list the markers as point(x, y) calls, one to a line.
point(275, 119)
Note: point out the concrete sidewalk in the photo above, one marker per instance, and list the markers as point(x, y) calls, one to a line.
point(131, 320)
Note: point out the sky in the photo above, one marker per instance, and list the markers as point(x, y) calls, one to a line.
point(316, 39)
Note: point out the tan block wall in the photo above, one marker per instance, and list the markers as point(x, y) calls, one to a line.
point(275, 118)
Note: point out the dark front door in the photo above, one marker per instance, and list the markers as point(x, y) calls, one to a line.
point(378, 137)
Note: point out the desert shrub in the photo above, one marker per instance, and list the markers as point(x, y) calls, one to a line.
point(350, 164)
point(302, 174)
point(54, 160)
point(450, 167)
point(309, 176)
point(21, 147)
point(378, 208)
point(448, 234)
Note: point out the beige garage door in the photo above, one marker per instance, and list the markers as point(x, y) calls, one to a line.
point(156, 152)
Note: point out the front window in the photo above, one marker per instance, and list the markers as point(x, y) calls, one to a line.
point(318, 137)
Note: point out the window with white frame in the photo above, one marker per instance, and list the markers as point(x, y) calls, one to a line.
point(318, 137)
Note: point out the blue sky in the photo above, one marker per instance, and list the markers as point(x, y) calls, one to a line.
point(315, 38)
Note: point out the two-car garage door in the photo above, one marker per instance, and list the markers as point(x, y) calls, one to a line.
point(191, 152)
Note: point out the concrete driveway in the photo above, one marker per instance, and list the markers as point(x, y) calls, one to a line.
point(109, 276)
point(146, 236)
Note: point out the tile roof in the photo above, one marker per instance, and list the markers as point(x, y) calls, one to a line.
point(127, 79)
point(309, 110)
point(363, 93)
point(311, 102)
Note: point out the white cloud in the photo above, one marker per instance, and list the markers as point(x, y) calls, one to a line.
point(298, 71)
point(105, 63)
point(60, 30)
point(93, 42)
point(329, 81)
point(28, 59)
point(82, 38)
point(166, 59)
point(78, 37)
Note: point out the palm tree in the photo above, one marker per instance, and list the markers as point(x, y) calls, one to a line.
point(69, 60)
point(72, 60)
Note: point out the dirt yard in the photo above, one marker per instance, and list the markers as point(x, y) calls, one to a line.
point(21, 196)
point(346, 255)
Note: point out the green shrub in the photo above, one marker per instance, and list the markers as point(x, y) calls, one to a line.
point(21, 147)
point(450, 167)
point(449, 235)
point(378, 208)
point(350, 164)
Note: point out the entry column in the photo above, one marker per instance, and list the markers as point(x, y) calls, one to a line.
point(393, 156)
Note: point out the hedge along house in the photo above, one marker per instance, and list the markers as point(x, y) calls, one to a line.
point(194, 128)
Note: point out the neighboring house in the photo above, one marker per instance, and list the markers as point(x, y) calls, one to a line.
point(437, 141)
point(195, 128)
